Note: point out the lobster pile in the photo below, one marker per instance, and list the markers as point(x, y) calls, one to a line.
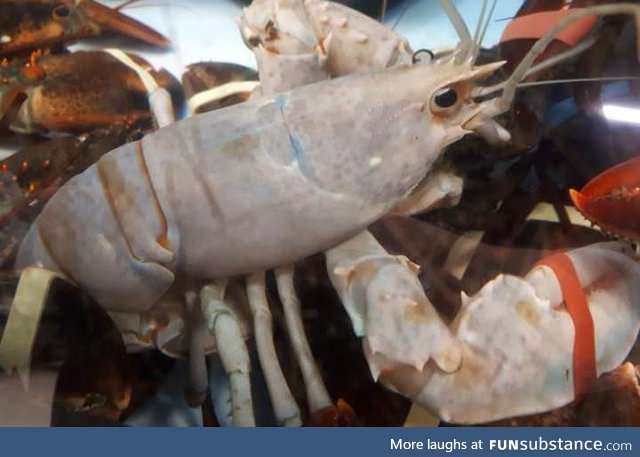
point(191, 235)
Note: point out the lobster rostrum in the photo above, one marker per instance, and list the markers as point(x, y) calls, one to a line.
point(165, 226)
point(29, 25)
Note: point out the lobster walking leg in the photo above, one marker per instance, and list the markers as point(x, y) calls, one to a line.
point(158, 97)
point(317, 395)
point(199, 377)
point(223, 325)
point(341, 43)
point(284, 406)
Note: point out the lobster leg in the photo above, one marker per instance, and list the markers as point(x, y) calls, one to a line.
point(285, 408)
point(317, 395)
point(159, 98)
point(223, 325)
point(199, 378)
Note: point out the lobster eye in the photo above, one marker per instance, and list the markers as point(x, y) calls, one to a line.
point(61, 11)
point(443, 99)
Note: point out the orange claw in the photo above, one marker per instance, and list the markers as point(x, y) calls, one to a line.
point(611, 200)
point(340, 415)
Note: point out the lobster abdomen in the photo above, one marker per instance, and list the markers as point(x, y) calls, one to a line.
point(104, 230)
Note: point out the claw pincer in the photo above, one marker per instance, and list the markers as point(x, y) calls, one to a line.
point(27, 25)
point(611, 200)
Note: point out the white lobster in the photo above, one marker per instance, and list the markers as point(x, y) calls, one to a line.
point(159, 231)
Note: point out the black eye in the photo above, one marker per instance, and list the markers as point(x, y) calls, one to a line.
point(445, 98)
point(61, 11)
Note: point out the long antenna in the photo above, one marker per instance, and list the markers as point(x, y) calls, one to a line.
point(466, 42)
point(577, 80)
point(486, 25)
point(405, 8)
point(384, 10)
point(509, 86)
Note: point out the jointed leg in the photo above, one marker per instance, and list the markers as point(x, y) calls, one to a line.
point(317, 394)
point(198, 375)
point(223, 325)
point(284, 405)
point(158, 97)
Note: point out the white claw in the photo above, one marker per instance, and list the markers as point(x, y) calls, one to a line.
point(518, 338)
point(389, 309)
point(403, 325)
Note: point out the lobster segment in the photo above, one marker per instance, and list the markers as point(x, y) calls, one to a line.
point(611, 200)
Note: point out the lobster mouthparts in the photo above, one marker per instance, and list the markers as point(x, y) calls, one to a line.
point(611, 200)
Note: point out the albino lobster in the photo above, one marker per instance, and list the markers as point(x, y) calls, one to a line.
point(286, 175)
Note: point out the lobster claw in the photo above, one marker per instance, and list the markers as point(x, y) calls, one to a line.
point(611, 200)
point(112, 19)
point(36, 24)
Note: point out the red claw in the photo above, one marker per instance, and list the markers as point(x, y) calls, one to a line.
point(611, 200)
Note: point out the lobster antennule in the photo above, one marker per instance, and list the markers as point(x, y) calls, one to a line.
point(611, 200)
point(466, 41)
point(113, 19)
point(469, 46)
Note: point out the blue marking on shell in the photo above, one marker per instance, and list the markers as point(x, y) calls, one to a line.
point(281, 101)
point(297, 152)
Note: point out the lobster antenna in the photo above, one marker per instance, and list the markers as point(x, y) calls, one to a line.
point(405, 8)
point(466, 42)
point(480, 23)
point(383, 13)
point(485, 28)
point(136, 4)
point(563, 56)
point(125, 4)
point(548, 63)
point(577, 80)
point(509, 86)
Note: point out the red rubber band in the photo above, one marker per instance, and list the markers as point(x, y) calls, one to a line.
point(536, 25)
point(584, 345)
